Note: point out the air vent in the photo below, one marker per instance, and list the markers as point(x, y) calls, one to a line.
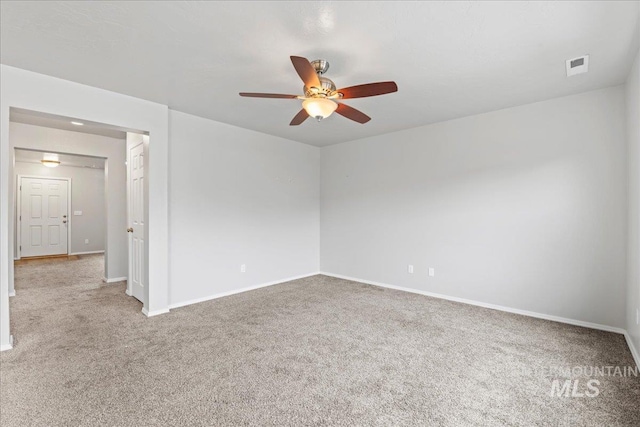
point(577, 65)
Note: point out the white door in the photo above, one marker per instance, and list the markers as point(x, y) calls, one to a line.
point(43, 216)
point(136, 221)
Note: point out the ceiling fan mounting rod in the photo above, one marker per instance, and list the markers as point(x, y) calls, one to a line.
point(320, 65)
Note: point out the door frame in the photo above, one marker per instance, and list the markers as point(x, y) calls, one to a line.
point(18, 222)
point(27, 90)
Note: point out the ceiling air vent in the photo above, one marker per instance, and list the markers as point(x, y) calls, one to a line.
point(577, 65)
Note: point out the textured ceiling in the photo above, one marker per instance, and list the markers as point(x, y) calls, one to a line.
point(450, 59)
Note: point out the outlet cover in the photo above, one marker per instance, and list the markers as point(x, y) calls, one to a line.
point(432, 272)
point(243, 268)
point(86, 241)
point(410, 269)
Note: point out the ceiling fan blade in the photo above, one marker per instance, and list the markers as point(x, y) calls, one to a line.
point(267, 95)
point(369, 89)
point(306, 71)
point(299, 118)
point(352, 113)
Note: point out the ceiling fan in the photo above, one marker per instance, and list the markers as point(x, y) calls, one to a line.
point(321, 97)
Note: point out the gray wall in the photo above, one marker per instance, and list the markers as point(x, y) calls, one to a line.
point(87, 195)
point(238, 197)
point(524, 207)
point(63, 141)
point(633, 139)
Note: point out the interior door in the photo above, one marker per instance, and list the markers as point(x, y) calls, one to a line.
point(136, 218)
point(43, 216)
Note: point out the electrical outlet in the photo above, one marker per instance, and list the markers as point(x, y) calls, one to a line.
point(86, 241)
point(432, 272)
point(243, 268)
point(410, 269)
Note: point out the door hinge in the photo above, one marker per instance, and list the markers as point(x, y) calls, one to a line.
point(20, 247)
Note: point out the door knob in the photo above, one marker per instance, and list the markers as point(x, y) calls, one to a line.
point(64, 222)
point(64, 216)
point(129, 230)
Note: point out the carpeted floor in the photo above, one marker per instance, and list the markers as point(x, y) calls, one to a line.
point(316, 351)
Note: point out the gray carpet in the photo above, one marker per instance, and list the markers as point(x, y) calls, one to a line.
point(316, 351)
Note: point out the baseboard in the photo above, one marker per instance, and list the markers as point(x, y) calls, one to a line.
point(632, 347)
point(486, 305)
point(114, 280)
point(5, 347)
point(12, 293)
point(154, 312)
point(128, 292)
point(87, 253)
point(238, 291)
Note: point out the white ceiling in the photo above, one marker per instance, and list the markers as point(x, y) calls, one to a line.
point(449, 59)
point(29, 156)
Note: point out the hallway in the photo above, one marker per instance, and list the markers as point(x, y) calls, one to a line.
point(60, 304)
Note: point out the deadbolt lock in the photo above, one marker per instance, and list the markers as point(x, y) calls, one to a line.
point(129, 230)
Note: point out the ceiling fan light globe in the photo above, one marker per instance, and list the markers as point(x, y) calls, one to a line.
point(319, 107)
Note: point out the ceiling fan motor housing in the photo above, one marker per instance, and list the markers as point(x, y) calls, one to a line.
point(327, 88)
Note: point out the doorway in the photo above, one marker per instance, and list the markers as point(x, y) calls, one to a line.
point(96, 216)
point(53, 97)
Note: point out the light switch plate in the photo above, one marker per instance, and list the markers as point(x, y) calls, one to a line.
point(77, 213)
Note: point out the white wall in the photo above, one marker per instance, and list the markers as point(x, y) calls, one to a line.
point(633, 139)
point(523, 207)
point(239, 197)
point(87, 195)
point(38, 92)
point(63, 141)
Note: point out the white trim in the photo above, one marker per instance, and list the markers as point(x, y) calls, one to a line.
point(154, 312)
point(114, 279)
point(126, 291)
point(12, 293)
point(486, 305)
point(87, 253)
point(632, 348)
point(238, 291)
point(9, 346)
point(18, 209)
